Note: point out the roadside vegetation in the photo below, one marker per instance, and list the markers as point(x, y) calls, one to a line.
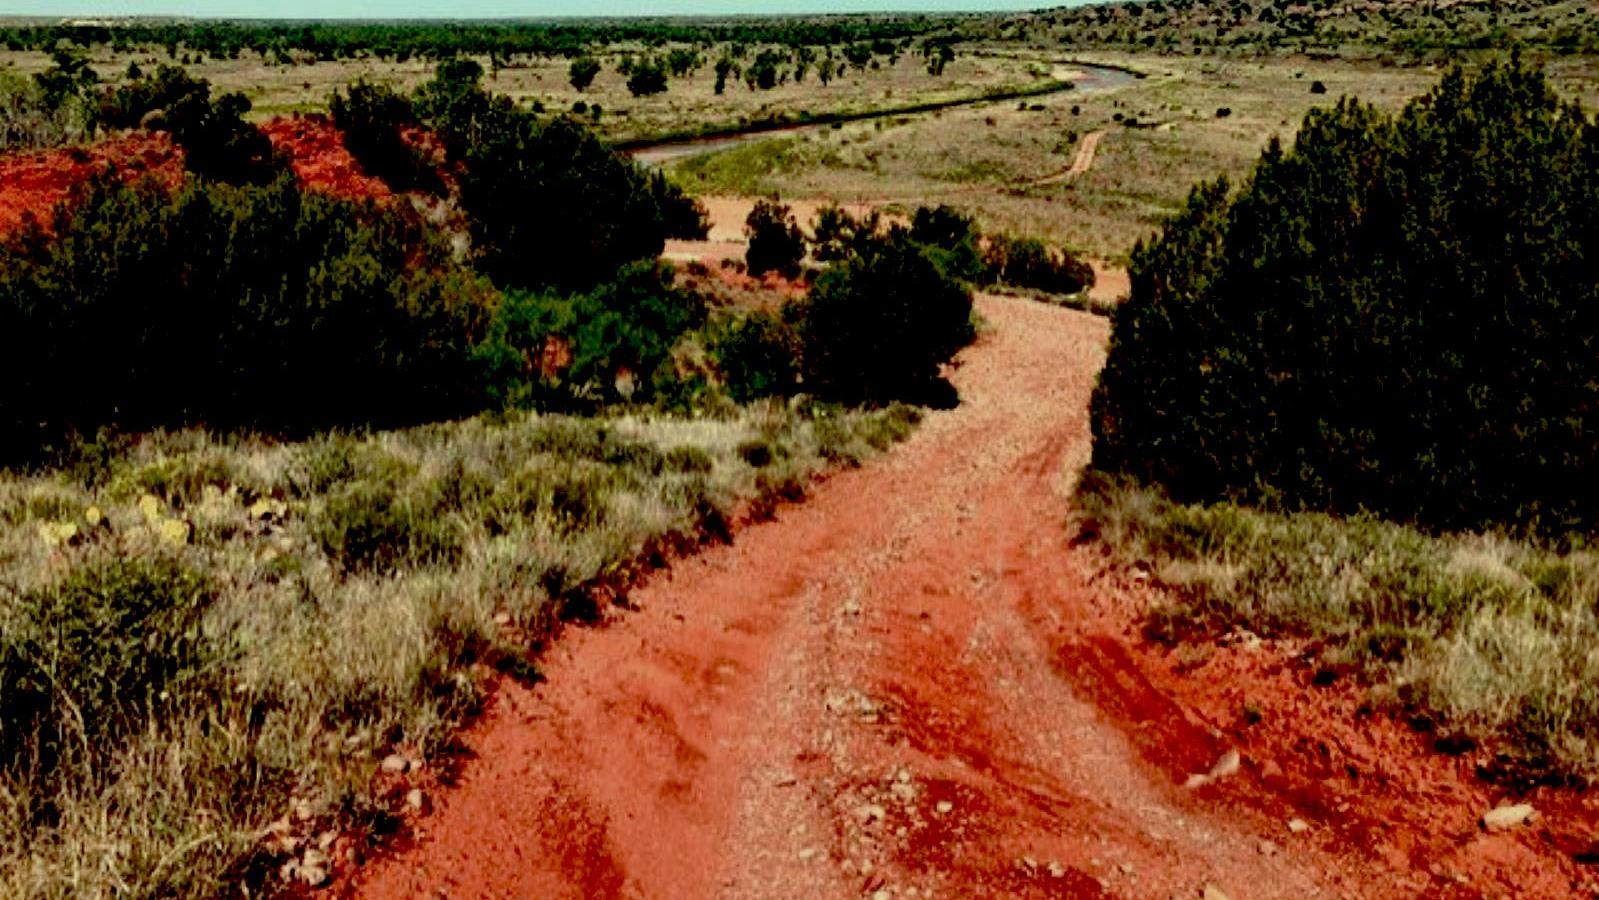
point(1376, 323)
point(291, 476)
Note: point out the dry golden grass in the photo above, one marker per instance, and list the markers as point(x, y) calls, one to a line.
point(353, 593)
point(1492, 636)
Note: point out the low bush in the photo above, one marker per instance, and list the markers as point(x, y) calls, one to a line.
point(217, 142)
point(85, 662)
point(776, 243)
point(29, 122)
point(1029, 263)
point(956, 237)
point(877, 326)
point(607, 345)
point(255, 307)
point(756, 353)
point(133, 104)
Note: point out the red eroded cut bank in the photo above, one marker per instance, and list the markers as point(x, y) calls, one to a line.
point(37, 182)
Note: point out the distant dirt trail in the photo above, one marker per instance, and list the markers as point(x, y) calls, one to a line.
point(911, 681)
point(1081, 163)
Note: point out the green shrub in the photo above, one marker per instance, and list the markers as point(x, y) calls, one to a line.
point(372, 119)
point(611, 344)
point(132, 104)
point(836, 235)
point(370, 526)
point(776, 243)
point(1028, 263)
point(29, 122)
point(1398, 315)
point(237, 307)
point(218, 143)
point(757, 354)
point(877, 326)
point(90, 660)
point(954, 234)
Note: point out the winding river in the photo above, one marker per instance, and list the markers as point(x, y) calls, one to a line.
point(1077, 77)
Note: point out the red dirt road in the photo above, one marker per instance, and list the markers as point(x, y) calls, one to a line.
point(913, 684)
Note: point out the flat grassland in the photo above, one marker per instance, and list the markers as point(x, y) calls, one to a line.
point(1191, 118)
point(689, 102)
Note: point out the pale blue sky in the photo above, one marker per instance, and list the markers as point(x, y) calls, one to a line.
point(392, 9)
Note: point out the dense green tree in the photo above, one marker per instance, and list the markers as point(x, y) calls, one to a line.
point(1399, 314)
point(583, 71)
point(648, 77)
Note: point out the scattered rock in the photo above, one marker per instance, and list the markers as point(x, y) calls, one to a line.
point(395, 764)
point(416, 800)
point(808, 854)
point(786, 780)
point(945, 807)
point(871, 812)
point(1298, 826)
point(1507, 817)
point(1267, 848)
point(1212, 892)
point(1270, 771)
point(1126, 868)
point(1225, 767)
point(1056, 870)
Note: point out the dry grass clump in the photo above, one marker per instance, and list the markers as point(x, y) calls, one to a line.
point(1491, 637)
point(199, 636)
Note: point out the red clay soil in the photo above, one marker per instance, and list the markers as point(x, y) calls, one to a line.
point(37, 182)
point(321, 162)
point(916, 684)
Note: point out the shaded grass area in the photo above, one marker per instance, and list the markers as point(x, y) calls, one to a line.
point(200, 637)
point(1487, 637)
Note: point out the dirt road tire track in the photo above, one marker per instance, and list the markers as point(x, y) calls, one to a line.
point(904, 683)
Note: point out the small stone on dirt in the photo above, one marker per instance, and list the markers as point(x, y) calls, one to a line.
point(1126, 868)
point(871, 812)
point(1267, 848)
point(1298, 826)
point(945, 807)
point(1056, 870)
point(1212, 892)
point(1227, 766)
point(416, 800)
point(1507, 817)
point(808, 854)
point(394, 764)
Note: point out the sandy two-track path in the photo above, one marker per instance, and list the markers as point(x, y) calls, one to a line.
point(903, 686)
